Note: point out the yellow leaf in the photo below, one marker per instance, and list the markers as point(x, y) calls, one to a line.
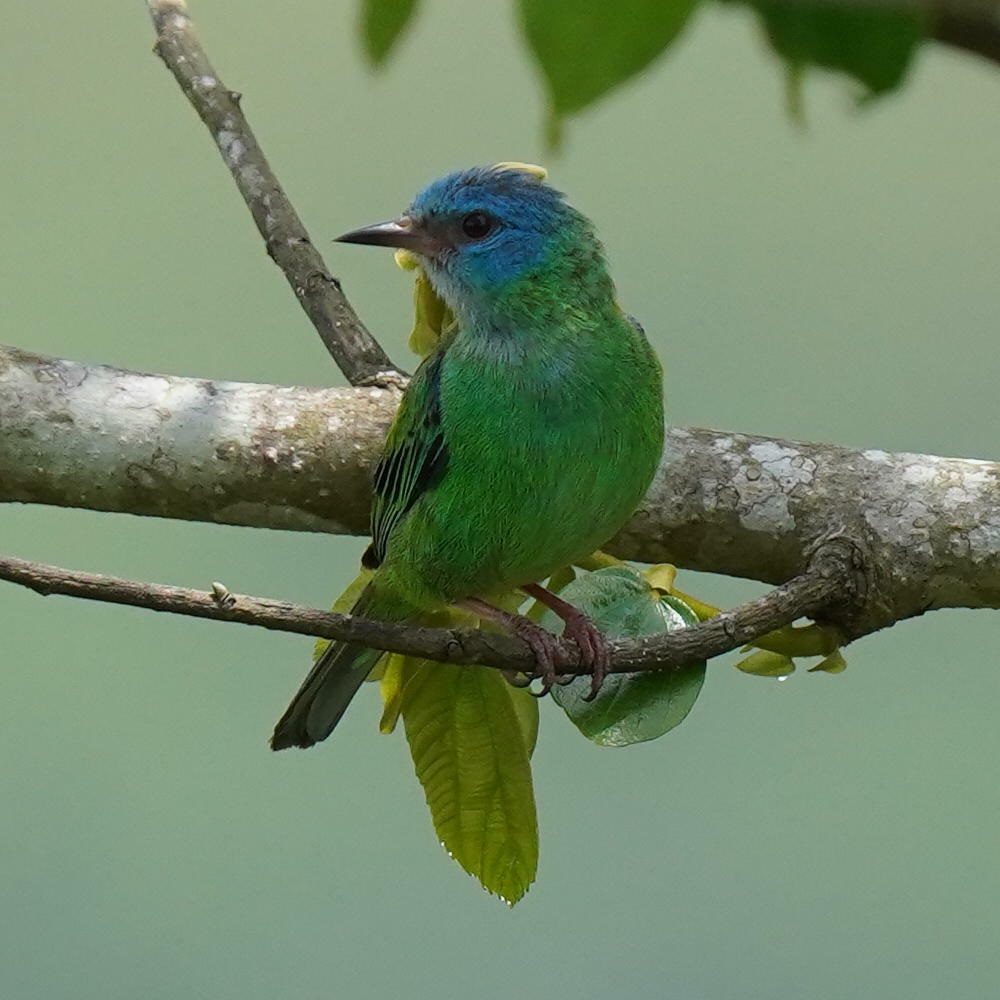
point(470, 754)
point(391, 689)
point(800, 640)
point(431, 317)
point(702, 610)
point(406, 260)
point(833, 664)
point(599, 560)
point(661, 576)
point(764, 663)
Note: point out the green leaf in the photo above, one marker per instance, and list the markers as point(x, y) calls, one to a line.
point(469, 748)
point(874, 45)
point(587, 47)
point(382, 23)
point(630, 708)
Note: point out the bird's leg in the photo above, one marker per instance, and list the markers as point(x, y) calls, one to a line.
point(548, 652)
point(595, 653)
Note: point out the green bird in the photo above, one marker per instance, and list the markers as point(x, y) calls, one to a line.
point(524, 441)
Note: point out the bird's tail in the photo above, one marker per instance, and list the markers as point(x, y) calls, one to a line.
point(328, 689)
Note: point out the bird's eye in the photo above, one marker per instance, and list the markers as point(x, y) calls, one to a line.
point(476, 225)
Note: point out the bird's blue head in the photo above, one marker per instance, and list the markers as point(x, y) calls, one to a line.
point(482, 233)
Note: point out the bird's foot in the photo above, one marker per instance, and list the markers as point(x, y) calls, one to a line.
point(548, 651)
point(549, 654)
point(595, 652)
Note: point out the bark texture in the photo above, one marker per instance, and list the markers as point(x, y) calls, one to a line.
point(826, 583)
point(924, 531)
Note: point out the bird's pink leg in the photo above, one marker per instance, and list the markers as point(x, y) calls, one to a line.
point(548, 653)
point(595, 653)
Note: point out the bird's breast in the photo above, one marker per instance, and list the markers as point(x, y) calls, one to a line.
point(548, 456)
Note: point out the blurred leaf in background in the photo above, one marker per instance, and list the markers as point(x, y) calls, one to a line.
point(584, 49)
point(382, 24)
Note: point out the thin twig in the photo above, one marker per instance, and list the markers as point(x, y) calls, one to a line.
point(355, 350)
point(826, 583)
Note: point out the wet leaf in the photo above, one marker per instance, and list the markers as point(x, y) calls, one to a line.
point(700, 608)
point(631, 708)
point(469, 744)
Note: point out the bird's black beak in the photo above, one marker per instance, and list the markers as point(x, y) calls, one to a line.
point(402, 233)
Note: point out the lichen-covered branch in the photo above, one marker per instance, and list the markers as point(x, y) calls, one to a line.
point(827, 582)
point(925, 530)
point(105, 439)
point(355, 350)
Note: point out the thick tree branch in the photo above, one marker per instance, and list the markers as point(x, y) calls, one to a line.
point(926, 530)
point(355, 350)
point(105, 439)
point(827, 582)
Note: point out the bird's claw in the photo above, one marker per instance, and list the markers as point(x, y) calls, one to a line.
point(549, 653)
point(595, 653)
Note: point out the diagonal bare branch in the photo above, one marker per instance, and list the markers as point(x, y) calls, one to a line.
point(355, 350)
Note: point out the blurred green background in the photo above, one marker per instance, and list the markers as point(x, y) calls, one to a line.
point(824, 837)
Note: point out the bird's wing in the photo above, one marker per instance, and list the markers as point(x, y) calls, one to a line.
point(414, 458)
